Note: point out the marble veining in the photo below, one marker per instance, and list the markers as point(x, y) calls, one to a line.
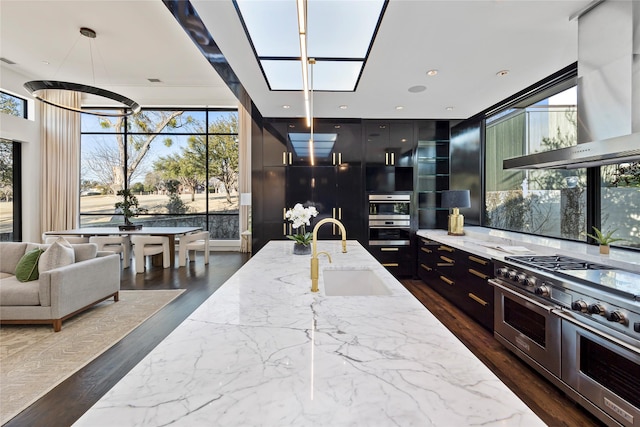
point(265, 351)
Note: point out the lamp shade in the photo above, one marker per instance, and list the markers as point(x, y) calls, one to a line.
point(456, 199)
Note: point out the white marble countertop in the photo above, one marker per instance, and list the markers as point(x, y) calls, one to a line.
point(482, 241)
point(264, 350)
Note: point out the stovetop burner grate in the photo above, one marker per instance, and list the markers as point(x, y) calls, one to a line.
point(557, 262)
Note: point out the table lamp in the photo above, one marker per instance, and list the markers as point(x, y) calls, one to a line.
point(456, 199)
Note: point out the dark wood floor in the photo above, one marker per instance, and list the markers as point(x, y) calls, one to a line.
point(67, 402)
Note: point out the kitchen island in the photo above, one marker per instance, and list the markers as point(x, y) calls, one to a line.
point(264, 350)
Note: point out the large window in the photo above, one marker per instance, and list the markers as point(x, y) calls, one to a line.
point(13, 105)
point(182, 165)
point(545, 202)
point(620, 202)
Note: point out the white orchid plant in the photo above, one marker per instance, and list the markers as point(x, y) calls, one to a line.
point(300, 217)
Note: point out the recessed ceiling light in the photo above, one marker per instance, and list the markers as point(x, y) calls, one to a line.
point(343, 107)
point(403, 140)
point(416, 89)
point(45, 62)
point(291, 126)
point(336, 126)
point(155, 80)
point(432, 72)
point(449, 108)
point(399, 107)
point(286, 107)
point(502, 73)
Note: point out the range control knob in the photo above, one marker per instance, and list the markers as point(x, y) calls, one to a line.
point(502, 271)
point(580, 306)
point(617, 316)
point(542, 290)
point(512, 274)
point(597, 309)
point(636, 326)
point(530, 281)
point(521, 277)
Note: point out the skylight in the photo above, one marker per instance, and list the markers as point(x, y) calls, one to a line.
point(339, 37)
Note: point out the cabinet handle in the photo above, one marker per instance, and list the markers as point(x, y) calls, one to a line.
point(340, 214)
point(478, 260)
point(425, 241)
point(477, 299)
point(426, 268)
point(389, 249)
point(477, 273)
point(391, 264)
point(284, 229)
point(426, 250)
point(290, 157)
point(447, 281)
point(386, 159)
point(333, 159)
point(444, 264)
point(393, 158)
point(284, 214)
point(339, 158)
point(449, 260)
point(446, 248)
point(284, 157)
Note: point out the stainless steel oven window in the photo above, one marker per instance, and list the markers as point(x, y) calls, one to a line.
point(530, 323)
point(611, 370)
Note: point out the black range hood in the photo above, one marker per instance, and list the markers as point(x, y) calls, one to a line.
point(619, 149)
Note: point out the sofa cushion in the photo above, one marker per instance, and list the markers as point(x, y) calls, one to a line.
point(10, 254)
point(59, 254)
point(84, 251)
point(27, 268)
point(13, 292)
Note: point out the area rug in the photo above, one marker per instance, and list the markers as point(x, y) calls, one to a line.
point(34, 359)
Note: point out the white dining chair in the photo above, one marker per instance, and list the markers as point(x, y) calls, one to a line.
point(118, 244)
point(49, 238)
point(189, 244)
point(144, 246)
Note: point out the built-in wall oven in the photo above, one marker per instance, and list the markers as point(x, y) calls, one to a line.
point(577, 323)
point(389, 219)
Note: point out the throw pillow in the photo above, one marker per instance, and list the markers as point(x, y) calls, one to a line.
point(59, 254)
point(27, 267)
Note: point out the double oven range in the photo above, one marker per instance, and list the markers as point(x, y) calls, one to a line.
point(578, 324)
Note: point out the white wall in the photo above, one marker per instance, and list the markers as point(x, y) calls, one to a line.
point(26, 131)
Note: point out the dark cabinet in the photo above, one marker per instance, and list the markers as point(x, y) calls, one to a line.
point(330, 179)
point(396, 259)
point(432, 170)
point(459, 276)
point(389, 147)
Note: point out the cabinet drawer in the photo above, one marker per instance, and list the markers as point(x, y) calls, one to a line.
point(479, 309)
point(478, 264)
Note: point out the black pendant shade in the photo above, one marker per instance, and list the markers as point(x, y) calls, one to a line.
point(34, 86)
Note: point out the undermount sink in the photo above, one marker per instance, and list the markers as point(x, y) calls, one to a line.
point(353, 282)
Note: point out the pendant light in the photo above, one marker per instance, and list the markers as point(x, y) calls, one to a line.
point(35, 86)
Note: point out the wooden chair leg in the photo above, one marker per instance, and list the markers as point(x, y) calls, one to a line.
point(57, 325)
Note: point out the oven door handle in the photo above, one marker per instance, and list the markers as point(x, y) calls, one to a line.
point(522, 296)
point(596, 332)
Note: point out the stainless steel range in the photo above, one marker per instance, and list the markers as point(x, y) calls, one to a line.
point(577, 323)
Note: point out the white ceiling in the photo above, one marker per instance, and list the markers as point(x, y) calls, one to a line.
point(467, 41)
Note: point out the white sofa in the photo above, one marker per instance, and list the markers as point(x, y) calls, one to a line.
point(59, 293)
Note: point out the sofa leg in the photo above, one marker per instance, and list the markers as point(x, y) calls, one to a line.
point(57, 325)
point(116, 297)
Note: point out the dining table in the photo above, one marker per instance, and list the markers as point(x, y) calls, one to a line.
point(170, 232)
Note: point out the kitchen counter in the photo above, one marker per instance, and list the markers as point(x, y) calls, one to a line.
point(264, 350)
point(484, 242)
